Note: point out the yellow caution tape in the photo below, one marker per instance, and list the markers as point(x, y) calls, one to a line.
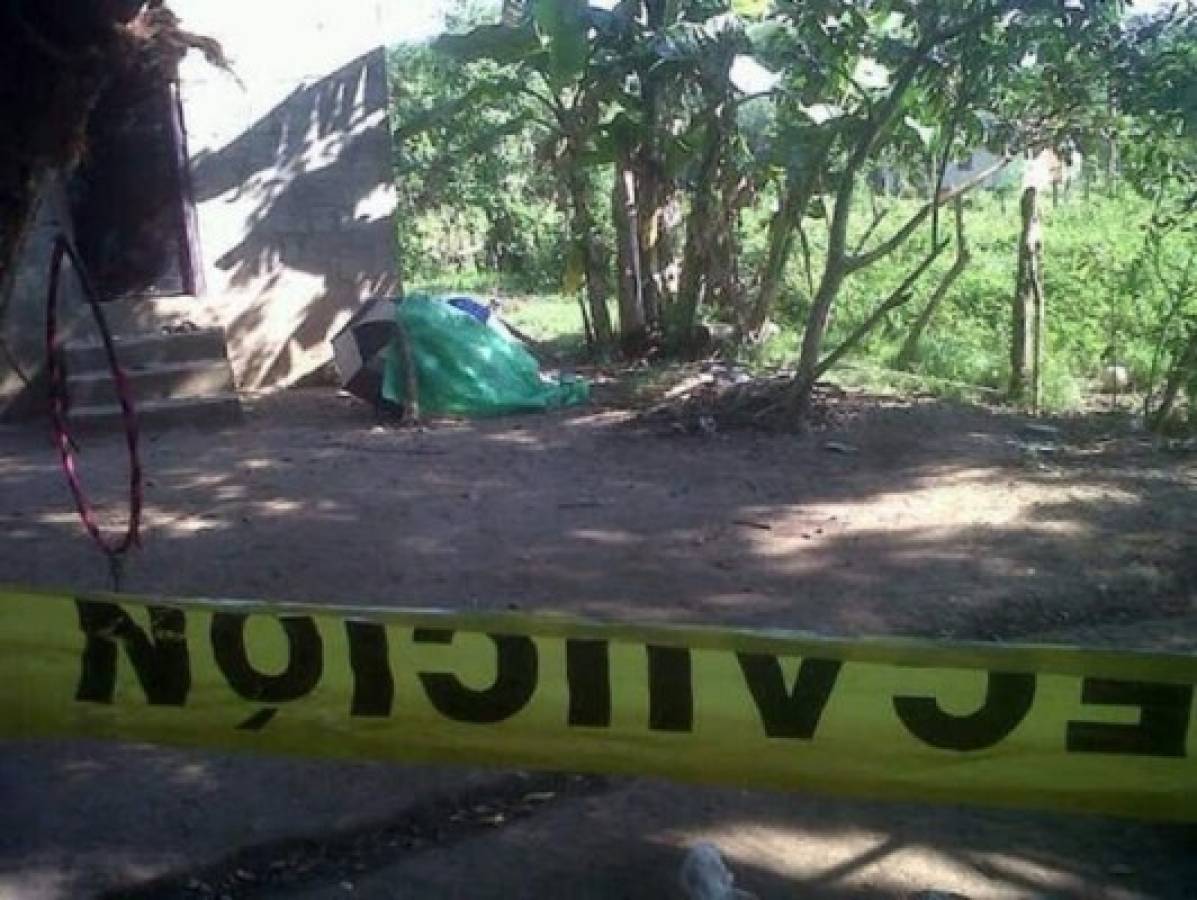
point(1034, 726)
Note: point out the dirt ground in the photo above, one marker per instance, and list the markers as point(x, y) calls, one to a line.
point(919, 518)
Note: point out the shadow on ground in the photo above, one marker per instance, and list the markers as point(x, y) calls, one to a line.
point(938, 522)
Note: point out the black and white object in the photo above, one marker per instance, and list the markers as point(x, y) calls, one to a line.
point(359, 349)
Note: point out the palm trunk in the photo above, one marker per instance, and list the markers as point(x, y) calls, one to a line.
point(647, 168)
point(659, 259)
point(633, 332)
point(696, 263)
point(586, 241)
point(653, 242)
point(709, 228)
point(693, 286)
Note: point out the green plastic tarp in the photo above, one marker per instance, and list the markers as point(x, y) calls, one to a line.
point(465, 367)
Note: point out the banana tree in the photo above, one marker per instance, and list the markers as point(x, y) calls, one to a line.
point(642, 89)
point(559, 51)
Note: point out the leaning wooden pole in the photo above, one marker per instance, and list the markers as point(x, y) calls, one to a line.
point(1036, 275)
point(411, 378)
point(1023, 324)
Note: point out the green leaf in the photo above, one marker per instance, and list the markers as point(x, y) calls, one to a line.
point(821, 113)
point(695, 41)
point(871, 75)
point(926, 133)
point(625, 129)
point(498, 43)
point(563, 27)
point(750, 9)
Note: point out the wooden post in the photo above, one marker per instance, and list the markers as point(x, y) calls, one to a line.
point(1022, 347)
point(1040, 332)
point(411, 386)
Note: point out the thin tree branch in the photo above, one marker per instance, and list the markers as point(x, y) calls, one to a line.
point(900, 296)
point(878, 218)
point(953, 125)
point(859, 261)
point(907, 354)
point(806, 264)
point(837, 232)
point(545, 99)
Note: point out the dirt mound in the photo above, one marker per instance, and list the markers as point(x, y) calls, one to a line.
point(723, 398)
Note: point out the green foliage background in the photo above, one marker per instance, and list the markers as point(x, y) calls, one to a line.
point(480, 210)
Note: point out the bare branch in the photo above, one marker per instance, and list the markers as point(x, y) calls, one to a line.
point(878, 218)
point(907, 354)
point(859, 261)
point(806, 265)
point(900, 296)
point(953, 125)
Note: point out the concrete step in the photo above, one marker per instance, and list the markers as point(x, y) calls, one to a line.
point(139, 351)
point(201, 378)
point(212, 411)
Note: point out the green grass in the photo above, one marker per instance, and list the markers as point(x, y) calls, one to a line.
point(881, 380)
point(552, 320)
point(547, 317)
point(1099, 301)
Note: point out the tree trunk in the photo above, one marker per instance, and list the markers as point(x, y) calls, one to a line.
point(910, 348)
point(633, 331)
point(60, 56)
point(648, 168)
point(693, 286)
point(695, 279)
point(781, 240)
point(836, 268)
point(18, 204)
point(586, 241)
point(1184, 370)
point(812, 337)
point(1022, 339)
point(834, 272)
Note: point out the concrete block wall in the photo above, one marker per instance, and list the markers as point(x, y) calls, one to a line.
point(291, 169)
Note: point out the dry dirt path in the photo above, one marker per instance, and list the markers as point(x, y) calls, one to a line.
point(940, 523)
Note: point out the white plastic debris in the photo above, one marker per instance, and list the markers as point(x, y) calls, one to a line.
point(705, 876)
